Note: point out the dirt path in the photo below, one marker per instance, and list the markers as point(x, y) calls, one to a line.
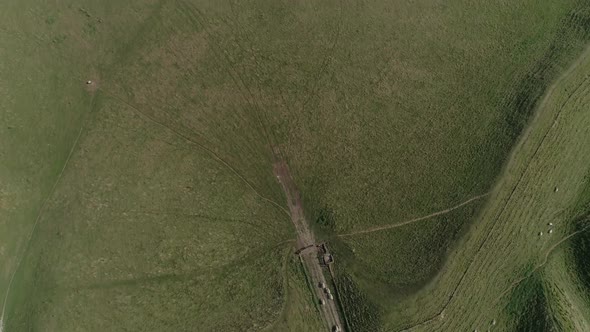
point(305, 238)
point(381, 228)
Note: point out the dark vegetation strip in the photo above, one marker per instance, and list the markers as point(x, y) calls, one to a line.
point(361, 314)
point(528, 307)
point(521, 105)
point(580, 249)
point(338, 299)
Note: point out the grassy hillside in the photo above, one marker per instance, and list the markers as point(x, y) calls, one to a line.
point(142, 237)
point(400, 159)
point(505, 247)
point(146, 200)
point(528, 307)
point(140, 222)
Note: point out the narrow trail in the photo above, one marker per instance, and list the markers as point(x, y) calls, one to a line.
point(306, 239)
point(213, 155)
point(42, 210)
point(407, 222)
point(511, 159)
point(542, 264)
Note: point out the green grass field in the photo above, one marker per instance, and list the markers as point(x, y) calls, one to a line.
point(505, 247)
point(146, 200)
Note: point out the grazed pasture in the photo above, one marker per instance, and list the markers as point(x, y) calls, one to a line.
point(510, 251)
point(146, 200)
